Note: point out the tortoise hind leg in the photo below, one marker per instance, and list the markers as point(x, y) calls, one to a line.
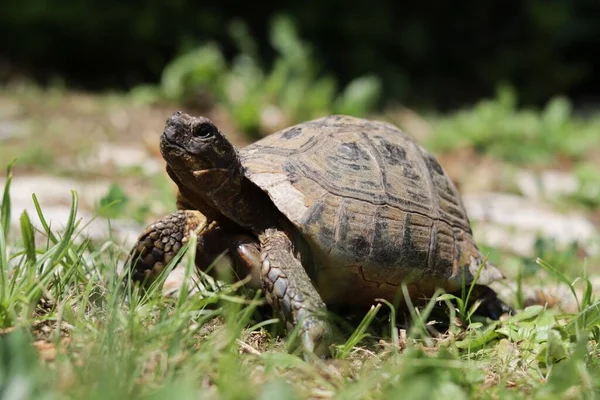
point(290, 292)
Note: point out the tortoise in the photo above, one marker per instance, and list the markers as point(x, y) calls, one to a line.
point(337, 211)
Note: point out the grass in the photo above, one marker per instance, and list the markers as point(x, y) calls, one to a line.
point(68, 126)
point(60, 129)
point(498, 127)
point(69, 328)
point(67, 331)
point(588, 193)
point(261, 98)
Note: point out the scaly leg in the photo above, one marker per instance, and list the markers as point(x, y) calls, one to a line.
point(161, 241)
point(290, 292)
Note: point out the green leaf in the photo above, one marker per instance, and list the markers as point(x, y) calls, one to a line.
point(19, 363)
point(201, 68)
point(557, 112)
point(274, 359)
point(114, 203)
point(569, 373)
point(555, 348)
point(360, 96)
point(477, 338)
point(528, 313)
point(278, 389)
point(585, 319)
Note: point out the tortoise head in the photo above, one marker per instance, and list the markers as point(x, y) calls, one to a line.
point(192, 144)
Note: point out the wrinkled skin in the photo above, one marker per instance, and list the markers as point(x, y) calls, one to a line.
point(243, 222)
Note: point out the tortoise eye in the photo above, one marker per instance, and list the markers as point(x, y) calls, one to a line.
point(203, 130)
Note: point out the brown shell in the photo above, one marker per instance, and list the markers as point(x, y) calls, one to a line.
point(376, 208)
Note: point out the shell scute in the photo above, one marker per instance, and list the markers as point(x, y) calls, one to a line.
point(373, 199)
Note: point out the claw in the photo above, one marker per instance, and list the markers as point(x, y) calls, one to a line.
point(316, 337)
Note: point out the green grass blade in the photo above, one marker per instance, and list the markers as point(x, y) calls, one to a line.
point(417, 323)
point(471, 287)
point(155, 288)
point(585, 320)
point(43, 221)
point(559, 276)
point(261, 324)
point(4, 230)
point(190, 265)
point(63, 245)
point(28, 239)
point(424, 315)
point(5, 207)
point(57, 252)
point(393, 330)
point(449, 297)
point(4, 272)
point(588, 292)
point(359, 333)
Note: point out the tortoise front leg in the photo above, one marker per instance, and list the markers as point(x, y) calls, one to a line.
point(163, 239)
point(290, 292)
point(160, 242)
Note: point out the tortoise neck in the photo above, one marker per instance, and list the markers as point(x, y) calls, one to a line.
point(253, 208)
point(231, 194)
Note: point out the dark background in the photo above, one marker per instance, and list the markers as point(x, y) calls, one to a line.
point(444, 54)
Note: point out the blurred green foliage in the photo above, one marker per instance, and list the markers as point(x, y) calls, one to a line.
point(116, 204)
point(499, 128)
point(292, 90)
point(445, 55)
point(588, 193)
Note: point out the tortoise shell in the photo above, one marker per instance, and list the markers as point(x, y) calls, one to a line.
point(375, 208)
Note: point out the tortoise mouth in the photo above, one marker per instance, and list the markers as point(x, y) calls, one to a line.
point(167, 146)
point(174, 153)
point(179, 157)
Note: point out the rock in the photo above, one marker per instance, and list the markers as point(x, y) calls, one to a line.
point(175, 281)
point(121, 232)
point(120, 120)
point(13, 129)
point(475, 172)
point(514, 223)
point(121, 156)
point(409, 121)
point(52, 190)
point(549, 184)
point(54, 196)
point(551, 295)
